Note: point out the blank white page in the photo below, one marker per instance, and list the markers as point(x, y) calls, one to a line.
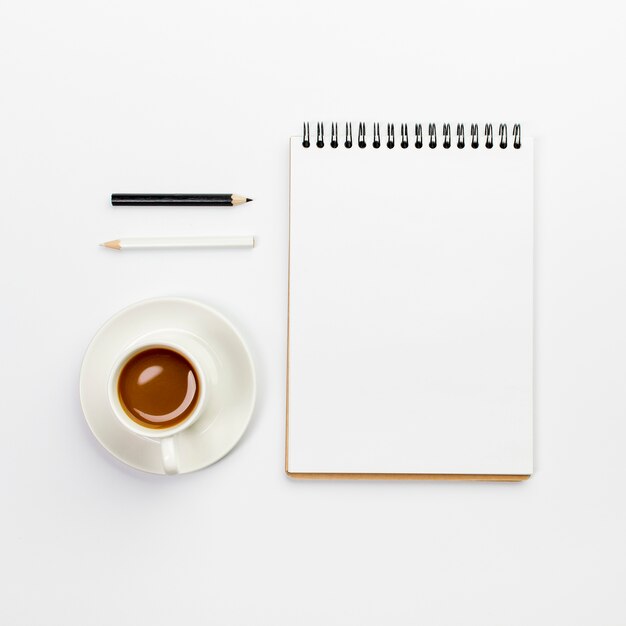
point(410, 310)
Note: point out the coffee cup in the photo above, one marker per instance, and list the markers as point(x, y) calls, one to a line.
point(160, 385)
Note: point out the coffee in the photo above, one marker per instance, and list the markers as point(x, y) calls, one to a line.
point(158, 388)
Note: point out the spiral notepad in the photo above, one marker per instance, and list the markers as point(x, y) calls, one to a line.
point(410, 341)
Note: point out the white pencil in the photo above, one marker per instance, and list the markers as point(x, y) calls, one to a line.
point(130, 243)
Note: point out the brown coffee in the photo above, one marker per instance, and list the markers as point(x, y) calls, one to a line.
point(158, 388)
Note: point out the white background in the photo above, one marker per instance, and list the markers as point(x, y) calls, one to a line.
point(104, 96)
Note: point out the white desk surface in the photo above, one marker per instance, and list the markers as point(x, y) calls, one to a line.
point(145, 96)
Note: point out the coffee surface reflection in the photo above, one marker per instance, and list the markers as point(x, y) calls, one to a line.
point(158, 388)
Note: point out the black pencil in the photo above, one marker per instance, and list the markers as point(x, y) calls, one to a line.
point(177, 199)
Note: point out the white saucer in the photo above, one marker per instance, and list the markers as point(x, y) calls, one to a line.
point(212, 436)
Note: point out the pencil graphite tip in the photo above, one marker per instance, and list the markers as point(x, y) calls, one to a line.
point(248, 199)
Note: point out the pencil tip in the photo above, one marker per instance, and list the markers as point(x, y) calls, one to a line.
point(248, 199)
point(114, 245)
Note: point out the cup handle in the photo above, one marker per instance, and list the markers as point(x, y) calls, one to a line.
point(169, 457)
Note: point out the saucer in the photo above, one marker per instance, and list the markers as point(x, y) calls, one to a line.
point(213, 435)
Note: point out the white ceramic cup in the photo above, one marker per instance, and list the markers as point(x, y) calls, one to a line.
point(196, 352)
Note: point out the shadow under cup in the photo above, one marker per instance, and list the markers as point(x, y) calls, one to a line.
point(158, 388)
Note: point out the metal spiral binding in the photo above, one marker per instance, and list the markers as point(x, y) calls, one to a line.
point(517, 136)
point(320, 135)
point(361, 140)
point(376, 142)
point(474, 134)
point(488, 136)
point(503, 137)
point(447, 136)
point(418, 136)
point(460, 136)
point(334, 139)
point(432, 136)
point(404, 136)
point(391, 136)
point(348, 142)
point(405, 141)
